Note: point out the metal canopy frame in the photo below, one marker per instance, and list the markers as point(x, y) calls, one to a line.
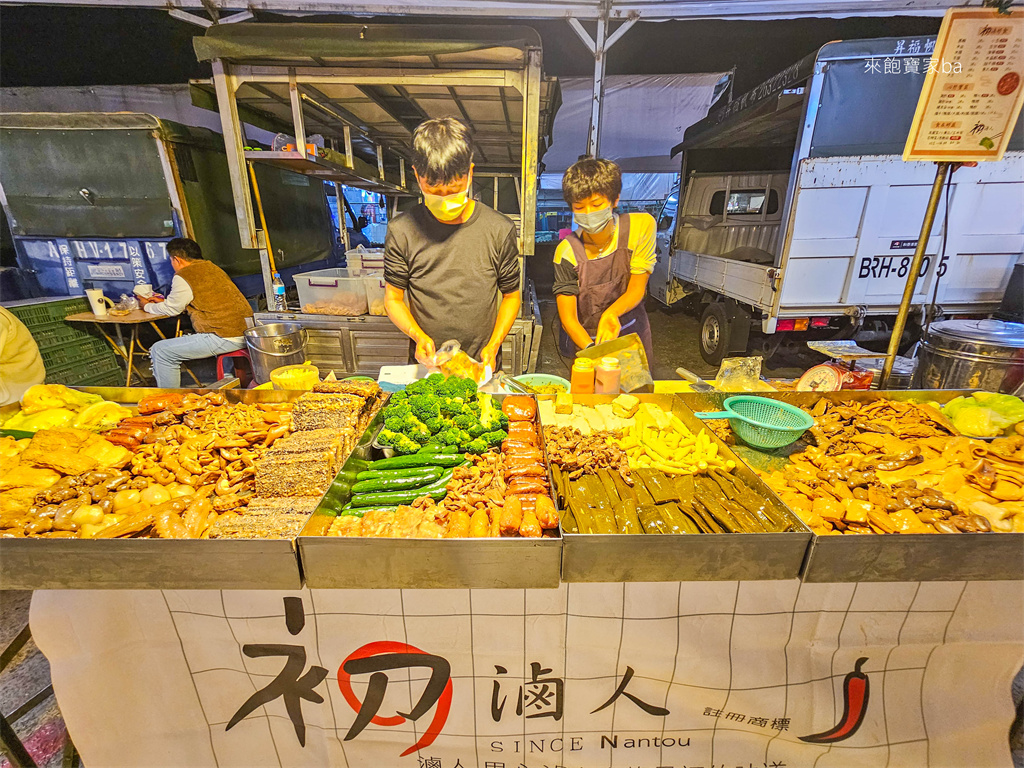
point(647, 10)
point(371, 111)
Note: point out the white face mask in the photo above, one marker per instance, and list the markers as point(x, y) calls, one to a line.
point(448, 207)
point(595, 221)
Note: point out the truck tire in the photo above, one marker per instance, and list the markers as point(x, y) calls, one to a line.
point(714, 333)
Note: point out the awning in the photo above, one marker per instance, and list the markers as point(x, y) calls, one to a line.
point(647, 10)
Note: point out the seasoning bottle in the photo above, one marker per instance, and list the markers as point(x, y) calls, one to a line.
point(582, 378)
point(606, 376)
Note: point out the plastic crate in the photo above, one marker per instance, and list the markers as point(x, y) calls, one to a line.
point(61, 335)
point(46, 313)
point(84, 372)
point(73, 351)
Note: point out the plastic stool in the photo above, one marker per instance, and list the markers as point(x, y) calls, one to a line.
point(237, 353)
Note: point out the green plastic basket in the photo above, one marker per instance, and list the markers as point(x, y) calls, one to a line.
point(762, 422)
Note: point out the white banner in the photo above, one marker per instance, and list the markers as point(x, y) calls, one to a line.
point(680, 675)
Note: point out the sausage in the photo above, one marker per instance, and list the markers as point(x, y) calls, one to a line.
point(547, 515)
point(479, 524)
point(524, 470)
point(157, 403)
point(519, 408)
point(524, 455)
point(518, 446)
point(527, 485)
point(519, 429)
point(511, 515)
point(122, 439)
point(459, 524)
point(530, 527)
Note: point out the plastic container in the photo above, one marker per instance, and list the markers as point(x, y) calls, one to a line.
point(333, 292)
point(606, 376)
point(364, 258)
point(583, 376)
point(295, 377)
point(374, 285)
point(48, 312)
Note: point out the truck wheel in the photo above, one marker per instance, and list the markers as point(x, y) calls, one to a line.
point(714, 334)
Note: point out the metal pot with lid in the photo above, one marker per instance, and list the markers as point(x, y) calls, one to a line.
point(274, 345)
point(972, 354)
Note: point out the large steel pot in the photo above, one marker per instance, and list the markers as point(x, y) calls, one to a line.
point(274, 345)
point(972, 354)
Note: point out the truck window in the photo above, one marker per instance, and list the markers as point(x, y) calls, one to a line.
point(749, 201)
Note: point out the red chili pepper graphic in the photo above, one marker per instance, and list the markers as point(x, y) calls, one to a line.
point(855, 705)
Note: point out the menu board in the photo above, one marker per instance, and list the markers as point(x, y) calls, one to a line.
point(972, 92)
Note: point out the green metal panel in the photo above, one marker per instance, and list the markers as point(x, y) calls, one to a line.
point(45, 170)
point(206, 190)
point(297, 216)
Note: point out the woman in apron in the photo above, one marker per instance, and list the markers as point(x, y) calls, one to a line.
point(602, 268)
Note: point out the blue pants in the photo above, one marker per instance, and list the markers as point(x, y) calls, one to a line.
point(169, 354)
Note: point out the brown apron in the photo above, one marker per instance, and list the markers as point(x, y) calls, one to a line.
point(602, 281)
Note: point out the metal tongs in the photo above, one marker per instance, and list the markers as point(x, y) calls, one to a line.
point(507, 382)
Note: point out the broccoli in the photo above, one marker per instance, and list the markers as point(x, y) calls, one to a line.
point(465, 421)
point(436, 424)
point(416, 430)
point(495, 438)
point(477, 445)
point(425, 407)
point(451, 407)
point(421, 387)
point(491, 417)
point(477, 429)
point(388, 437)
point(404, 445)
point(449, 436)
point(398, 397)
point(395, 423)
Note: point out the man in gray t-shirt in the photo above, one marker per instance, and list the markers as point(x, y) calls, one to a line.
point(452, 257)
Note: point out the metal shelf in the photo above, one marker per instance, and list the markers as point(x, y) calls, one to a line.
point(325, 169)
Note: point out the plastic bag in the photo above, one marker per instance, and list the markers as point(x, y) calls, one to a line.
point(629, 351)
point(452, 361)
point(741, 374)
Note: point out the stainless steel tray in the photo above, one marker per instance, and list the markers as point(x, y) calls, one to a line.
point(686, 557)
point(897, 557)
point(339, 562)
point(39, 563)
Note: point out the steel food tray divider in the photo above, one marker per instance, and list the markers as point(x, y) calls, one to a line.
point(340, 562)
point(589, 557)
point(888, 557)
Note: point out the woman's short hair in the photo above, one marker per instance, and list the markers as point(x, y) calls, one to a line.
point(591, 176)
point(441, 150)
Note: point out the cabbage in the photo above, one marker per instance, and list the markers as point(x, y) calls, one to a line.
point(1007, 406)
point(979, 422)
point(984, 414)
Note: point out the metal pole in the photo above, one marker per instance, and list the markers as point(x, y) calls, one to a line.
point(594, 134)
point(942, 169)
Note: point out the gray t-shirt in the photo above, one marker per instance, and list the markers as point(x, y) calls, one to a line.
point(453, 274)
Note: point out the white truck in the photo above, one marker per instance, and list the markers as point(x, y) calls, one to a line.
point(798, 218)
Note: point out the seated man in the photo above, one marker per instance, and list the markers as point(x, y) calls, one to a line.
point(215, 305)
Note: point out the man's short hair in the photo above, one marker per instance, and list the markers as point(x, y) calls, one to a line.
point(184, 248)
point(441, 150)
point(592, 176)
